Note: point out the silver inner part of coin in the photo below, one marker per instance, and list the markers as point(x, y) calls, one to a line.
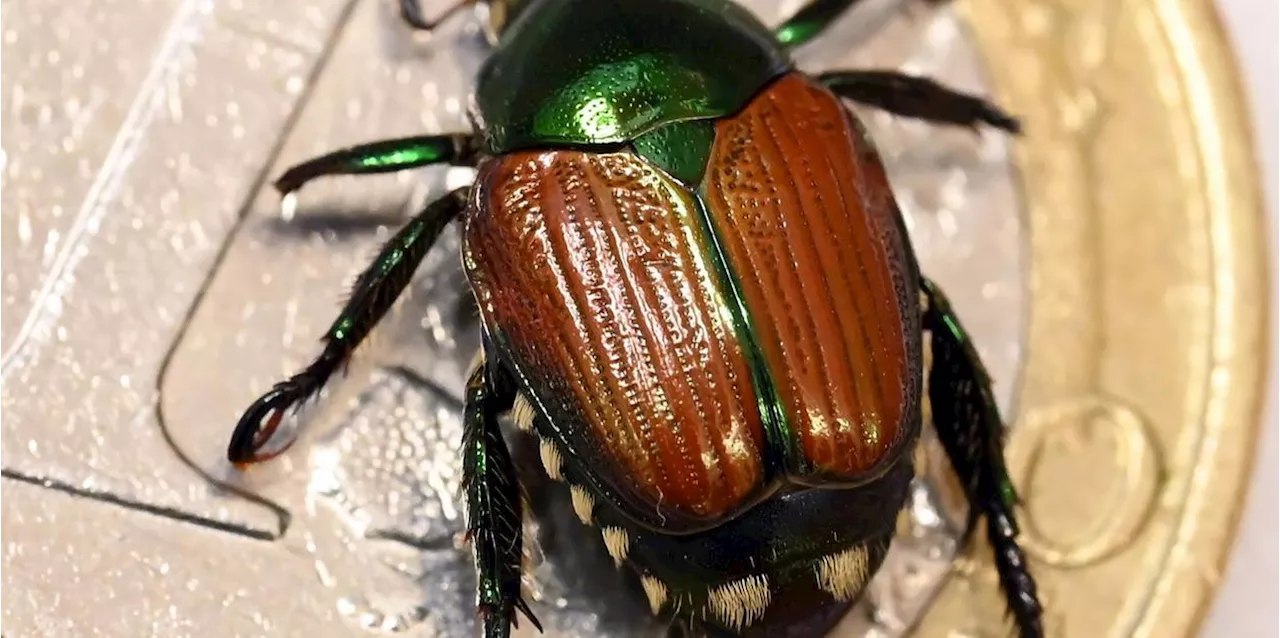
point(371, 488)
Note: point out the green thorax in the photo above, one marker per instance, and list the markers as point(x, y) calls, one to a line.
point(583, 72)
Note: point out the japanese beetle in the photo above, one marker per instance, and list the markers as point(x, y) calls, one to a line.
point(696, 288)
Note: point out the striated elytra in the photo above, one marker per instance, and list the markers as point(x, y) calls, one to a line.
point(697, 291)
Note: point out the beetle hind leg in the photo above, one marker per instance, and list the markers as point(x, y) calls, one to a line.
point(375, 291)
point(494, 502)
point(918, 98)
point(972, 433)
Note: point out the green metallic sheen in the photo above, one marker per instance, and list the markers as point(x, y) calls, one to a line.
point(600, 72)
point(783, 447)
point(413, 155)
point(681, 149)
point(394, 266)
point(379, 157)
point(811, 20)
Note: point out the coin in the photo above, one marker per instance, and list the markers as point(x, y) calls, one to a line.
point(1141, 392)
point(1107, 265)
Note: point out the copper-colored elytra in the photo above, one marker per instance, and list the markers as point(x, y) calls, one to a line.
point(804, 210)
point(594, 268)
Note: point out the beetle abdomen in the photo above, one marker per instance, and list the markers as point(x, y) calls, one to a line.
point(591, 273)
point(806, 217)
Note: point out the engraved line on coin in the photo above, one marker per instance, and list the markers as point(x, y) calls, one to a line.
point(137, 506)
point(181, 36)
point(1207, 187)
point(1124, 510)
point(290, 122)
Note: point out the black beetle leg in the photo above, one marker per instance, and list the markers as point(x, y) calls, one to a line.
point(375, 291)
point(494, 503)
point(385, 156)
point(813, 18)
point(917, 97)
point(411, 13)
point(972, 433)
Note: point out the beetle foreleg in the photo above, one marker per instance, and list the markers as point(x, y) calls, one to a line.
point(384, 156)
point(813, 18)
point(917, 97)
point(411, 13)
point(374, 293)
point(971, 430)
point(494, 505)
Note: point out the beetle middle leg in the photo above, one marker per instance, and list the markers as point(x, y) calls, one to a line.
point(917, 97)
point(972, 433)
point(375, 291)
point(493, 499)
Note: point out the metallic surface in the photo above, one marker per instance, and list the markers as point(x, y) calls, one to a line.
point(1148, 302)
point(151, 291)
point(1250, 579)
point(805, 216)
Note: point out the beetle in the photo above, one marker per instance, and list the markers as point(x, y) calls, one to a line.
point(696, 288)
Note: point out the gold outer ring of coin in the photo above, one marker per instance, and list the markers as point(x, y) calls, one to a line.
point(1140, 399)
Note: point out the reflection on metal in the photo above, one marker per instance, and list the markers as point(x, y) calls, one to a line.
point(151, 290)
point(377, 512)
